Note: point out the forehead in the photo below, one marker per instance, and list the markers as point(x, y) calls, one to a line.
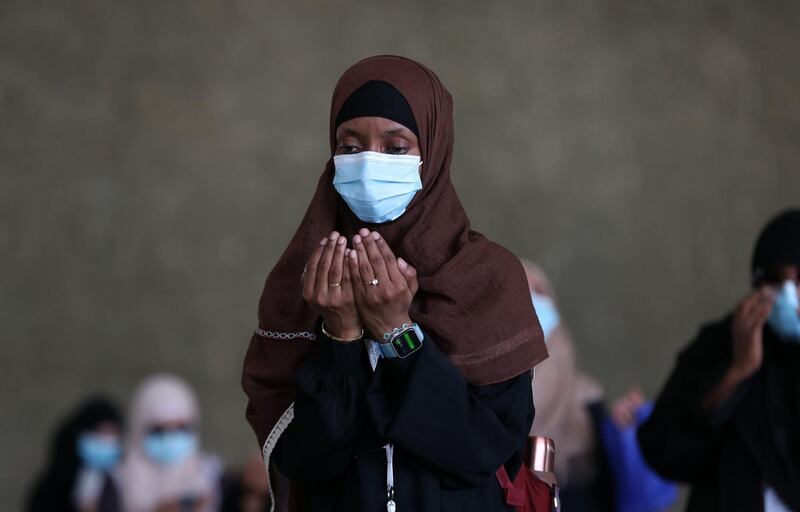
point(106, 427)
point(787, 271)
point(372, 126)
point(781, 272)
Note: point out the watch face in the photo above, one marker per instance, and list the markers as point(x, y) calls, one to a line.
point(406, 343)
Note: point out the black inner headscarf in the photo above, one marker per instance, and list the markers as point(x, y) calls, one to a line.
point(778, 244)
point(54, 488)
point(378, 99)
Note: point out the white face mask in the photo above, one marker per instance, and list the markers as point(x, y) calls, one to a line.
point(377, 187)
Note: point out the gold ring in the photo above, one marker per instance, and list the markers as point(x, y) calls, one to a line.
point(374, 282)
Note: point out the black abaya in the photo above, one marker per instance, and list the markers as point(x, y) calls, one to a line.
point(450, 437)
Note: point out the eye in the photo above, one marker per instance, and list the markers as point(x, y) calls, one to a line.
point(397, 150)
point(345, 149)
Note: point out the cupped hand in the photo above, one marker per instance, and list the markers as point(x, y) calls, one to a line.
point(383, 285)
point(748, 325)
point(328, 289)
point(624, 408)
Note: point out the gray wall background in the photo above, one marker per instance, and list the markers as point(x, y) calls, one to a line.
point(155, 158)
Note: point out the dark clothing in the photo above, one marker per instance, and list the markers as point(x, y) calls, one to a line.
point(54, 488)
point(450, 437)
point(234, 493)
point(597, 494)
point(729, 454)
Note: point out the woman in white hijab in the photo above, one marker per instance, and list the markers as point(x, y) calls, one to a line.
point(164, 469)
point(563, 395)
point(570, 409)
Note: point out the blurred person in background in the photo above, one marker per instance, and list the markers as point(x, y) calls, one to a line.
point(247, 490)
point(382, 411)
point(164, 469)
point(728, 419)
point(85, 451)
point(597, 461)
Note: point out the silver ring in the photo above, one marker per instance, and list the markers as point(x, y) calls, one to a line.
point(374, 282)
point(334, 285)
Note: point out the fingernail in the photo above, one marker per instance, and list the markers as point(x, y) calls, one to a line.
point(347, 252)
point(356, 239)
point(334, 235)
point(363, 232)
point(354, 255)
point(341, 240)
point(402, 263)
point(323, 241)
point(375, 235)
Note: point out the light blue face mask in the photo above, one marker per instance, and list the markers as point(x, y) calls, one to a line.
point(377, 187)
point(172, 447)
point(547, 312)
point(785, 318)
point(99, 451)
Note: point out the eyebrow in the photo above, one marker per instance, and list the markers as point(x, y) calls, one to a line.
point(387, 133)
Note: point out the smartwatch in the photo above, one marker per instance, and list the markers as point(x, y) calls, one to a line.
point(403, 343)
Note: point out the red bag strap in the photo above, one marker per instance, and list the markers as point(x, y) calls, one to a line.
point(502, 477)
point(514, 496)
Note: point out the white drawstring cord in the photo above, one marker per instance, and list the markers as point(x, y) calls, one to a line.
point(391, 506)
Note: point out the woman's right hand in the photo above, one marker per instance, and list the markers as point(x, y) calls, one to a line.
point(748, 325)
point(748, 351)
point(327, 288)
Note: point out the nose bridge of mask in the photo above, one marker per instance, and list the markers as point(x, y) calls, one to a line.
point(376, 167)
point(374, 156)
point(368, 172)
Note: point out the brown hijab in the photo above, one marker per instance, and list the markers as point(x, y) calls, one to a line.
point(472, 300)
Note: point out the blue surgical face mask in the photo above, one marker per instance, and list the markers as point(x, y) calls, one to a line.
point(785, 318)
point(377, 187)
point(171, 447)
point(99, 451)
point(547, 312)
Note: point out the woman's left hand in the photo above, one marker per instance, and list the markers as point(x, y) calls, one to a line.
point(383, 286)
